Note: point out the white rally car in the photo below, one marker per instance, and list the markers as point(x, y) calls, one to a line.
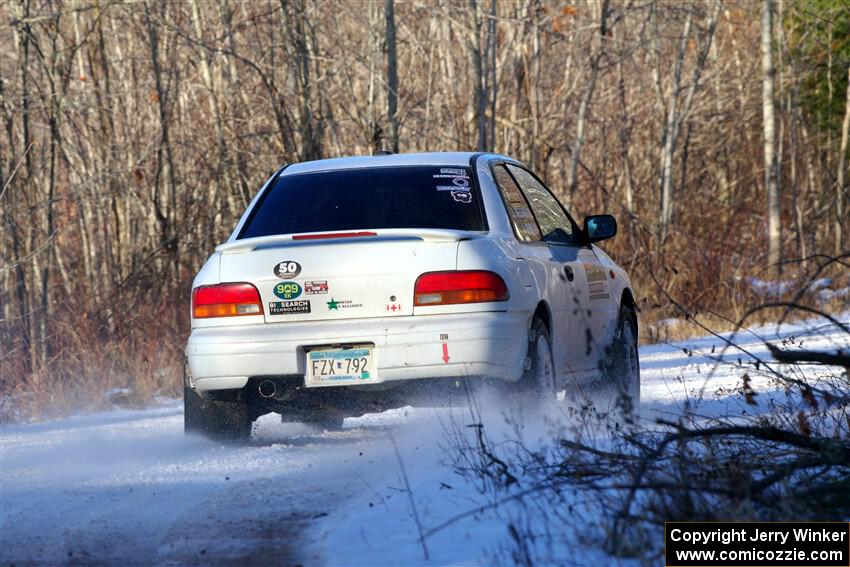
point(349, 283)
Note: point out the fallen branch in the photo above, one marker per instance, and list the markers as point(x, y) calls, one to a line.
point(839, 358)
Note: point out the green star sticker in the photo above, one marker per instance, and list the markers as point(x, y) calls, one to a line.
point(333, 304)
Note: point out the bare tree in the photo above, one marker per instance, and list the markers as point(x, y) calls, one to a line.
point(492, 90)
point(300, 47)
point(595, 63)
point(771, 160)
point(841, 187)
point(392, 74)
point(479, 75)
point(676, 115)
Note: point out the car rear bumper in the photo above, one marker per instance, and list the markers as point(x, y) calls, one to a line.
point(488, 344)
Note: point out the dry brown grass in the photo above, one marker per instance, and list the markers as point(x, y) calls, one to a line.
point(680, 304)
point(93, 368)
point(655, 331)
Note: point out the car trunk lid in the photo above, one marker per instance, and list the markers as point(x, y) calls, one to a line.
point(331, 276)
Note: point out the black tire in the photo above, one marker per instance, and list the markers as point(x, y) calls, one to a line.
point(215, 419)
point(622, 364)
point(537, 384)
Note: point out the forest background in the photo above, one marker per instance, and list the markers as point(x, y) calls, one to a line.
point(134, 133)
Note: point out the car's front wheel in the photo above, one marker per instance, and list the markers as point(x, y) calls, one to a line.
point(222, 420)
point(622, 367)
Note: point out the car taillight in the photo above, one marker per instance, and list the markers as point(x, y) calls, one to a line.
point(226, 300)
point(448, 288)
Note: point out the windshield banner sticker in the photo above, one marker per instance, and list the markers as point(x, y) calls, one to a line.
point(452, 172)
point(459, 187)
point(464, 197)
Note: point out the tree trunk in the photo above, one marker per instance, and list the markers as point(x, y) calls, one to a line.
point(222, 183)
point(296, 27)
point(492, 41)
point(625, 132)
point(479, 88)
point(771, 162)
point(392, 74)
point(676, 116)
point(841, 179)
point(599, 47)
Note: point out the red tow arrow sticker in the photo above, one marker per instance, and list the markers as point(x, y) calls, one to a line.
point(445, 353)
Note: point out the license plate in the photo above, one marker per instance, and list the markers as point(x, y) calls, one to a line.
point(340, 366)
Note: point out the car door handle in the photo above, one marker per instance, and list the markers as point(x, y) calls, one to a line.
point(569, 273)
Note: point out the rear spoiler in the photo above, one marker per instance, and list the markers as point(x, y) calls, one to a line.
point(311, 238)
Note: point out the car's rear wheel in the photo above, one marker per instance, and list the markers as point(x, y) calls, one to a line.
point(222, 420)
point(622, 367)
point(538, 381)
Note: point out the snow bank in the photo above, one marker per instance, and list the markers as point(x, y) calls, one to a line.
point(377, 527)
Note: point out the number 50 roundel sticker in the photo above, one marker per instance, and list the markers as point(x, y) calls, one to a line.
point(287, 269)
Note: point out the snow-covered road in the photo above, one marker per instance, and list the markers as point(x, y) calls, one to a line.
point(126, 487)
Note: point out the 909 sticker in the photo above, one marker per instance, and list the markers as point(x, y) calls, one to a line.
point(287, 290)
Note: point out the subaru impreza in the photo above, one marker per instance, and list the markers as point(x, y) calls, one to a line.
point(349, 284)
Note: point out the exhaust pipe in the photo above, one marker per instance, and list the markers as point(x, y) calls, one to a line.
point(267, 389)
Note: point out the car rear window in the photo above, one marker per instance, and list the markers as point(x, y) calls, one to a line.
point(385, 197)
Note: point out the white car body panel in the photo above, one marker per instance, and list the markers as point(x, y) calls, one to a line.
point(486, 343)
point(367, 272)
point(447, 341)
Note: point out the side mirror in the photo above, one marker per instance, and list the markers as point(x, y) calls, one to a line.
point(599, 227)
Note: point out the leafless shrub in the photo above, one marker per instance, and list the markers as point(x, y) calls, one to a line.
point(603, 483)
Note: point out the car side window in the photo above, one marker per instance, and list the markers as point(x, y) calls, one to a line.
point(554, 223)
point(518, 210)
